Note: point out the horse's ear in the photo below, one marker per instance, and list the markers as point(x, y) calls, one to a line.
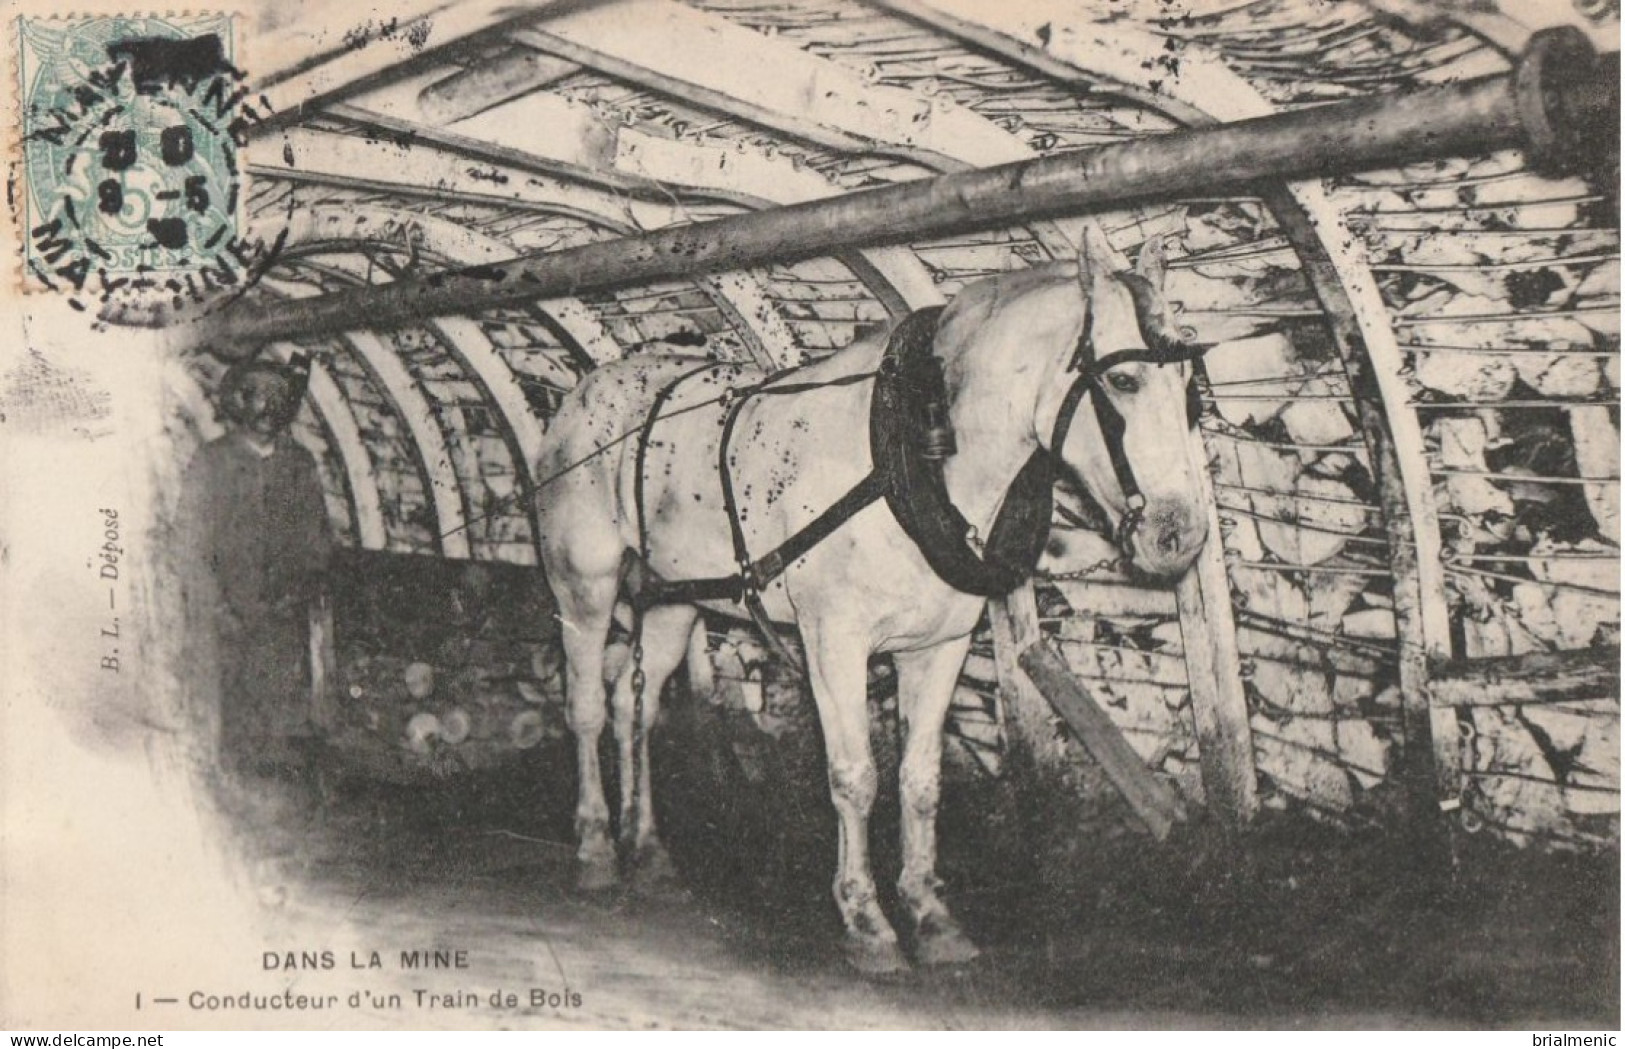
point(1152, 263)
point(1096, 259)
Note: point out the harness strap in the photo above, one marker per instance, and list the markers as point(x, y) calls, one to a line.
point(1063, 418)
point(771, 565)
point(1112, 426)
point(748, 583)
point(1090, 367)
point(754, 575)
point(730, 502)
point(917, 492)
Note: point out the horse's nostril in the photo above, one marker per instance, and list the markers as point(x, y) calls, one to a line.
point(1168, 541)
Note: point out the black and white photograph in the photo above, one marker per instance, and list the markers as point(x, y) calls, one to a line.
point(566, 515)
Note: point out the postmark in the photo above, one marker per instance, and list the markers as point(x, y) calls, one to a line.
point(131, 183)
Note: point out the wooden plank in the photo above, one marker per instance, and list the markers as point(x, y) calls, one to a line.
point(427, 440)
point(362, 479)
point(1022, 708)
point(1535, 677)
point(1153, 801)
point(705, 59)
point(487, 84)
point(1213, 667)
point(311, 60)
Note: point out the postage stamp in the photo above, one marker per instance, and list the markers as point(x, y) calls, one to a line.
point(131, 184)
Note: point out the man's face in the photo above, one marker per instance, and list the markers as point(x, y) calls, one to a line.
point(264, 400)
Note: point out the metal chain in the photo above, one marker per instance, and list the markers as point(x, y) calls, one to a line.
point(634, 817)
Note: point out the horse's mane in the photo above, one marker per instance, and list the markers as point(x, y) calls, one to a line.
point(977, 302)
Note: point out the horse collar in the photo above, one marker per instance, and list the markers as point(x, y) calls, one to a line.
point(905, 442)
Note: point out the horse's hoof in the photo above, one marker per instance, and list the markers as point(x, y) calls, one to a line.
point(596, 875)
point(653, 873)
point(873, 956)
point(945, 945)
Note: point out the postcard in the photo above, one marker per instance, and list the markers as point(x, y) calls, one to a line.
point(575, 514)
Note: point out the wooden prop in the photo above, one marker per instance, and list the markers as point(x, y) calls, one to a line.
point(1153, 801)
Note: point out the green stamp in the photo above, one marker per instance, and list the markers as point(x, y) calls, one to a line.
point(131, 132)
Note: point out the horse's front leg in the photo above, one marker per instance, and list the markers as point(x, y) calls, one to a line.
point(925, 687)
point(837, 669)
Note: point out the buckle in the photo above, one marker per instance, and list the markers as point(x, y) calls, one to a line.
point(764, 571)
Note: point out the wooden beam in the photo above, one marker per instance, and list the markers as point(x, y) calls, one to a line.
point(577, 322)
point(745, 302)
point(517, 152)
point(562, 138)
point(716, 64)
point(464, 339)
point(1069, 43)
point(483, 363)
point(1535, 677)
point(314, 61)
point(578, 150)
point(489, 83)
point(570, 318)
point(499, 387)
point(710, 62)
point(1506, 25)
point(427, 441)
point(1308, 142)
point(1023, 710)
point(569, 140)
point(360, 477)
point(1154, 802)
point(1212, 652)
point(1357, 321)
point(383, 161)
point(345, 158)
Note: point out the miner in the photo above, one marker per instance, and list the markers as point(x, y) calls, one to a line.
point(260, 542)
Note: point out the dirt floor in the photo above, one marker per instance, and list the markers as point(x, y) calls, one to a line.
point(1296, 925)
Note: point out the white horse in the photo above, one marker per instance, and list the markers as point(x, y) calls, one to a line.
point(1017, 351)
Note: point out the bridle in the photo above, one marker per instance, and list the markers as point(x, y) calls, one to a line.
point(1091, 366)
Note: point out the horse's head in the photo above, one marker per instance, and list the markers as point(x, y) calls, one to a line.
point(1131, 447)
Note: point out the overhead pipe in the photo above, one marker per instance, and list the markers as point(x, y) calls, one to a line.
point(1560, 106)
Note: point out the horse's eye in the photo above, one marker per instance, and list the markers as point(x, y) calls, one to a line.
point(1123, 382)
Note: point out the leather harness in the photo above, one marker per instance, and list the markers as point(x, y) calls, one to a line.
point(909, 479)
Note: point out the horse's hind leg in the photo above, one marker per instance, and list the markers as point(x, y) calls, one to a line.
point(666, 631)
point(925, 687)
point(585, 606)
